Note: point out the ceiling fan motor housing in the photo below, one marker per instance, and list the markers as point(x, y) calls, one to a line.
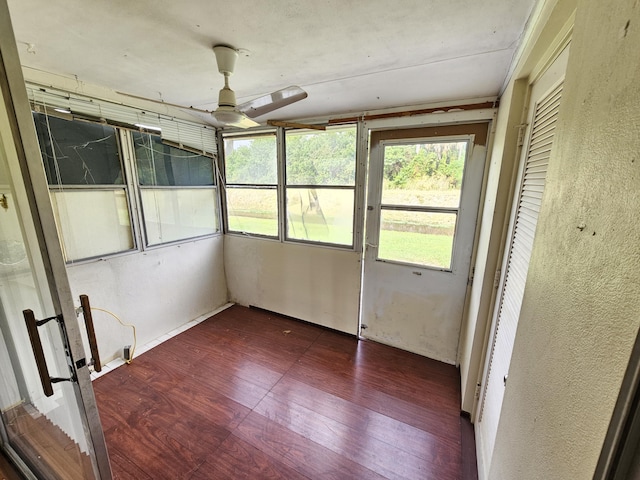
point(226, 97)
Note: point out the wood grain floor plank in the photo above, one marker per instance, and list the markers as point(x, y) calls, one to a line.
point(367, 423)
point(7, 470)
point(237, 364)
point(276, 356)
point(239, 460)
point(298, 452)
point(154, 451)
point(122, 468)
point(378, 455)
point(122, 406)
point(429, 420)
point(392, 378)
point(251, 394)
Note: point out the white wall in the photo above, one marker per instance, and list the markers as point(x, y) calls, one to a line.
point(157, 290)
point(316, 284)
point(580, 315)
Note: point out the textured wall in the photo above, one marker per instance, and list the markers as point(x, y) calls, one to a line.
point(581, 307)
point(316, 284)
point(157, 291)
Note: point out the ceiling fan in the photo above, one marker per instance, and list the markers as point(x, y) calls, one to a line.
point(232, 115)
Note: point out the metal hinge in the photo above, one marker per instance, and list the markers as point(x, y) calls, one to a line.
point(522, 129)
point(496, 279)
point(473, 273)
point(477, 394)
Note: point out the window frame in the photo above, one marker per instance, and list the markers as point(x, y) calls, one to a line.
point(359, 187)
point(257, 186)
point(130, 185)
point(354, 188)
point(125, 186)
point(138, 188)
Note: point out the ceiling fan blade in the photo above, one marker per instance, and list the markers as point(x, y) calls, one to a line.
point(230, 117)
point(245, 122)
point(268, 103)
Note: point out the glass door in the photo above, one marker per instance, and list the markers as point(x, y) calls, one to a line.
point(49, 422)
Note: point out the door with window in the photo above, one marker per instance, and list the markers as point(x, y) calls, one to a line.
point(49, 423)
point(424, 191)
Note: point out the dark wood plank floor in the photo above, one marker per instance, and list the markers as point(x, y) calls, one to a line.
point(7, 470)
point(249, 394)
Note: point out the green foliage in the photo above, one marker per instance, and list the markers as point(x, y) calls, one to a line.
point(251, 161)
point(327, 158)
point(323, 158)
point(430, 165)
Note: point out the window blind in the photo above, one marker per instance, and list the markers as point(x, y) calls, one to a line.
point(176, 131)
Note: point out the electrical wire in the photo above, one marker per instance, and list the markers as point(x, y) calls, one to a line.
point(133, 327)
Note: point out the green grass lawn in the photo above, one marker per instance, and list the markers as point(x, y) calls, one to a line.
point(419, 248)
point(407, 247)
point(257, 226)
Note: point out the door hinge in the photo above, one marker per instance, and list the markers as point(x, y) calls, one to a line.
point(473, 273)
point(477, 394)
point(522, 129)
point(496, 278)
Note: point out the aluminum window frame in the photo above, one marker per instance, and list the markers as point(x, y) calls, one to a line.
point(359, 186)
point(124, 186)
point(132, 188)
point(357, 204)
point(138, 188)
point(257, 186)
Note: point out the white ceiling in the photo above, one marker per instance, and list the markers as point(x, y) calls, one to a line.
point(349, 55)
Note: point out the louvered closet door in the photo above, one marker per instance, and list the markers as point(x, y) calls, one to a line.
point(544, 108)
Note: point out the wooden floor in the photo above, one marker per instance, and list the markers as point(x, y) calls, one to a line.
point(44, 445)
point(7, 470)
point(250, 394)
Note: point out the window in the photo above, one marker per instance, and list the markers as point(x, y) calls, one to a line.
point(318, 192)
point(320, 172)
point(177, 191)
point(251, 168)
point(87, 186)
point(420, 201)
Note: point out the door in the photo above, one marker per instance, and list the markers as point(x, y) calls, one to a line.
point(544, 105)
point(424, 190)
point(51, 431)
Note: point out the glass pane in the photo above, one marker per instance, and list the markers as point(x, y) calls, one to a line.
point(426, 174)
point(92, 222)
point(253, 210)
point(422, 238)
point(251, 160)
point(161, 164)
point(321, 158)
point(41, 429)
point(171, 215)
point(78, 153)
point(320, 215)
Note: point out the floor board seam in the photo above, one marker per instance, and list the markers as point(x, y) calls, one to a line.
point(300, 405)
